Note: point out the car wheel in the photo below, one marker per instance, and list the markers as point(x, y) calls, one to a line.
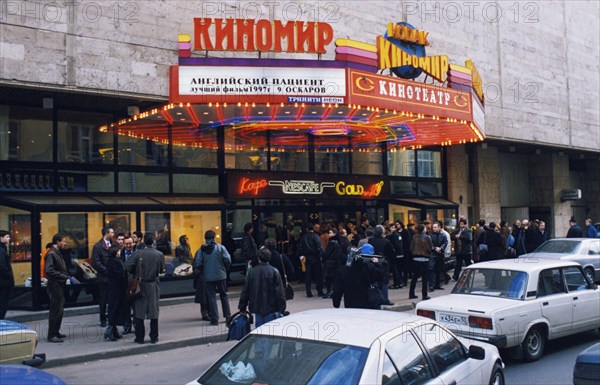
point(497, 377)
point(533, 345)
point(590, 274)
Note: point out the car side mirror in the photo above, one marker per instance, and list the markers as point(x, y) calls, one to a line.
point(476, 352)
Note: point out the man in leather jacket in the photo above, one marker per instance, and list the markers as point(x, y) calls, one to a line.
point(57, 275)
point(263, 291)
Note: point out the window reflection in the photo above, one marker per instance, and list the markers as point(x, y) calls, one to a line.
point(195, 148)
point(80, 140)
point(245, 149)
point(332, 154)
point(148, 149)
point(25, 134)
point(289, 151)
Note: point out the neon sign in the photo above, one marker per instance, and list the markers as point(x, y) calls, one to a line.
point(261, 35)
point(247, 185)
point(264, 187)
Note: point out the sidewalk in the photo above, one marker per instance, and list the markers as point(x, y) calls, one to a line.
point(179, 326)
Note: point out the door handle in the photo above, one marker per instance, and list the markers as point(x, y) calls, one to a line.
point(453, 382)
point(575, 298)
point(544, 303)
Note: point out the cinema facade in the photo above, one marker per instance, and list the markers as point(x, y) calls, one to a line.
point(274, 122)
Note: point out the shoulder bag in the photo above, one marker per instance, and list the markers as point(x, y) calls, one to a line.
point(134, 290)
point(482, 249)
point(289, 290)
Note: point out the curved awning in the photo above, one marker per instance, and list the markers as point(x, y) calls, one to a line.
point(329, 99)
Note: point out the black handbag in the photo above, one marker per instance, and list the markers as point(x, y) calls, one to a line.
point(375, 296)
point(289, 290)
point(134, 289)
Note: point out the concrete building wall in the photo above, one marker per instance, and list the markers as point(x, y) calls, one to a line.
point(538, 60)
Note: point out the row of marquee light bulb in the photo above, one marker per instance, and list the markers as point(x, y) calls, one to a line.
point(170, 106)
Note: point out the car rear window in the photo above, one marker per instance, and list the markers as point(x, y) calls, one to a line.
point(559, 246)
point(278, 360)
point(492, 282)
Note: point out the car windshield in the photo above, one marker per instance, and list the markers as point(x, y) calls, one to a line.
point(278, 360)
point(559, 246)
point(492, 282)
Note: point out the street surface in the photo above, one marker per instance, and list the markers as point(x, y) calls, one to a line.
point(179, 366)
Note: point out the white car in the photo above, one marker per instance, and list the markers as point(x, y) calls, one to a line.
point(355, 346)
point(518, 302)
point(17, 345)
point(585, 251)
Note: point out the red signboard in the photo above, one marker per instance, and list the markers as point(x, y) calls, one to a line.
point(386, 92)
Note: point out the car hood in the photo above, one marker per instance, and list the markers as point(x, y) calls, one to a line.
point(465, 303)
point(7, 326)
point(25, 375)
point(590, 355)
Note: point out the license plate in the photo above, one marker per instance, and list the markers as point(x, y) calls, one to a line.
point(453, 319)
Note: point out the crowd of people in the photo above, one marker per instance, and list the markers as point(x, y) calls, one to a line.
point(342, 261)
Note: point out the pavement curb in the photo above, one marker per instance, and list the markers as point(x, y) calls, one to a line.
point(135, 348)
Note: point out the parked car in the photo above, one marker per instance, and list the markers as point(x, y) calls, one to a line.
point(26, 375)
point(585, 251)
point(17, 344)
point(518, 302)
point(355, 346)
point(587, 366)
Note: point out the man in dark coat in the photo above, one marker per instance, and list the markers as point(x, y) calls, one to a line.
point(436, 268)
point(397, 266)
point(100, 254)
point(575, 231)
point(384, 248)
point(279, 261)
point(353, 281)
point(263, 291)
point(312, 249)
point(463, 246)
point(494, 242)
point(330, 261)
point(57, 275)
point(151, 265)
point(249, 249)
point(116, 295)
point(7, 279)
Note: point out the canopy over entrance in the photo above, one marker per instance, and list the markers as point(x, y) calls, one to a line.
point(338, 101)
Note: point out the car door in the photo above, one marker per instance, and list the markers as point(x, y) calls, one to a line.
point(448, 356)
point(405, 362)
point(555, 301)
point(584, 298)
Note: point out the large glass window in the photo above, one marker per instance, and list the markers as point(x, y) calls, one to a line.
point(18, 224)
point(195, 148)
point(367, 161)
point(144, 148)
point(429, 164)
point(196, 183)
point(401, 162)
point(141, 182)
point(245, 150)
point(25, 134)
point(289, 151)
point(332, 154)
point(87, 181)
point(80, 140)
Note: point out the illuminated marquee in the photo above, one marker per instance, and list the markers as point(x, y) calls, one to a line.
point(321, 186)
point(262, 35)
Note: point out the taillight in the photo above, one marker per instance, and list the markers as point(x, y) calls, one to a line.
point(480, 322)
point(426, 313)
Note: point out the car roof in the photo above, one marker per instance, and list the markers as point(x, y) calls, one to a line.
point(357, 327)
point(529, 265)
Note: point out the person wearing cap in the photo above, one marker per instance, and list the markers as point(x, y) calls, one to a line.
point(263, 291)
point(575, 230)
point(353, 280)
